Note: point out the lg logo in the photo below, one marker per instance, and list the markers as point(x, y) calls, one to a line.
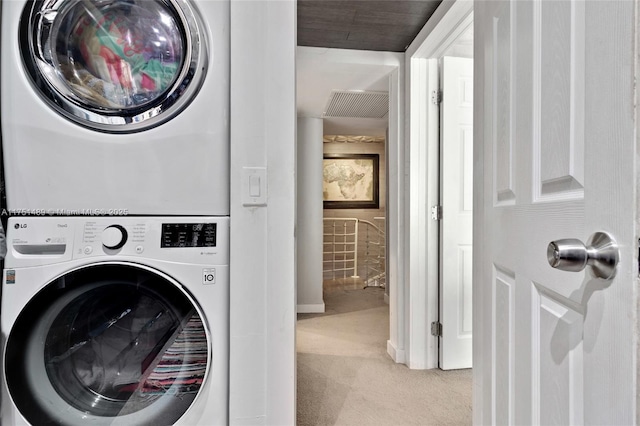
point(20, 225)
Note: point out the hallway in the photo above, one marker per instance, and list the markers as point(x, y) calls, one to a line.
point(345, 376)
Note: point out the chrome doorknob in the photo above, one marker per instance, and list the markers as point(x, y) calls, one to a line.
point(600, 253)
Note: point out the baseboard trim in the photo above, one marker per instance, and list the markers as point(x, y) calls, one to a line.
point(397, 355)
point(317, 308)
point(386, 298)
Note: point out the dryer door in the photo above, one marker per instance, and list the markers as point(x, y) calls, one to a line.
point(114, 65)
point(108, 344)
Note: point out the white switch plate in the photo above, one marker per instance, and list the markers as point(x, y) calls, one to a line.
point(254, 181)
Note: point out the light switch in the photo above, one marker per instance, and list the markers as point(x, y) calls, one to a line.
point(254, 186)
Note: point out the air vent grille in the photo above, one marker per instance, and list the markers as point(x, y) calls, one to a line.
point(357, 104)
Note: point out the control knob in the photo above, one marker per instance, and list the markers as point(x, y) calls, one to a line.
point(114, 237)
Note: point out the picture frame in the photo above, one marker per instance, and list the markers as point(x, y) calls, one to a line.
point(351, 181)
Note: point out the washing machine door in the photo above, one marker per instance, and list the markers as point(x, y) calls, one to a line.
point(108, 344)
point(116, 66)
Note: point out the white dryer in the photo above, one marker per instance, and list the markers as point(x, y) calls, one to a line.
point(115, 322)
point(116, 105)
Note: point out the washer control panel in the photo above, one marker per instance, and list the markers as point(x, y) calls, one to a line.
point(194, 240)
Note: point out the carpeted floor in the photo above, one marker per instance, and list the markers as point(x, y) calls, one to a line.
point(345, 376)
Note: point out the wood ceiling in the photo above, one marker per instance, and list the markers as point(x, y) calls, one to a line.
point(382, 25)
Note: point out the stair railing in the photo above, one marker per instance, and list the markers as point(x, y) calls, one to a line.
point(355, 248)
point(374, 242)
point(340, 248)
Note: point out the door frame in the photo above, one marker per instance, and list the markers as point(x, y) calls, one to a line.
point(422, 130)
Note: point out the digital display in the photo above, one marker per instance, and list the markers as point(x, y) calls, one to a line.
point(188, 235)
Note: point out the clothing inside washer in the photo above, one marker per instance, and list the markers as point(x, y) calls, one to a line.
point(123, 348)
point(118, 54)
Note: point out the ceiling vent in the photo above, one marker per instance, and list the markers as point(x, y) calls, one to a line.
point(357, 104)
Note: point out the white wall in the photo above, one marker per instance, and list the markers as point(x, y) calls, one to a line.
point(309, 227)
point(263, 134)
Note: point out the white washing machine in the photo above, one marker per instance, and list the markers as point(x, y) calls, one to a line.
point(116, 105)
point(115, 321)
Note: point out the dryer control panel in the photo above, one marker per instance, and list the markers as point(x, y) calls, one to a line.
point(193, 240)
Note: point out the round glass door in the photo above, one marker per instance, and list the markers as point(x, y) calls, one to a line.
point(105, 342)
point(114, 65)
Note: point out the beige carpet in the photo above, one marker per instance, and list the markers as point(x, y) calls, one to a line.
point(345, 376)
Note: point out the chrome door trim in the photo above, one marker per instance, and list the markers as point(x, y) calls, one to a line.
point(38, 23)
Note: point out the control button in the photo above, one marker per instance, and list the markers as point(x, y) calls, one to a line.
point(88, 250)
point(114, 237)
point(139, 249)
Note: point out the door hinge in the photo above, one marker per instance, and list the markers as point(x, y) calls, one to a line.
point(436, 329)
point(436, 97)
point(436, 212)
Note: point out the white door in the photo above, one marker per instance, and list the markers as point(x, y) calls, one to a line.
point(456, 198)
point(554, 159)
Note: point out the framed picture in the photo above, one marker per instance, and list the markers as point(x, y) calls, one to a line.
point(350, 181)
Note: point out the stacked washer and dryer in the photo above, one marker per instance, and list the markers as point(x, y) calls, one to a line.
point(115, 137)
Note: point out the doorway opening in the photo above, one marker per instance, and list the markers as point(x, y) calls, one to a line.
point(325, 368)
point(349, 324)
point(344, 115)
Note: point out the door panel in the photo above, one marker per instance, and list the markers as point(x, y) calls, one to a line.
point(501, 96)
point(503, 290)
point(557, 328)
point(558, 45)
point(557, 159)
point(457, 205)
